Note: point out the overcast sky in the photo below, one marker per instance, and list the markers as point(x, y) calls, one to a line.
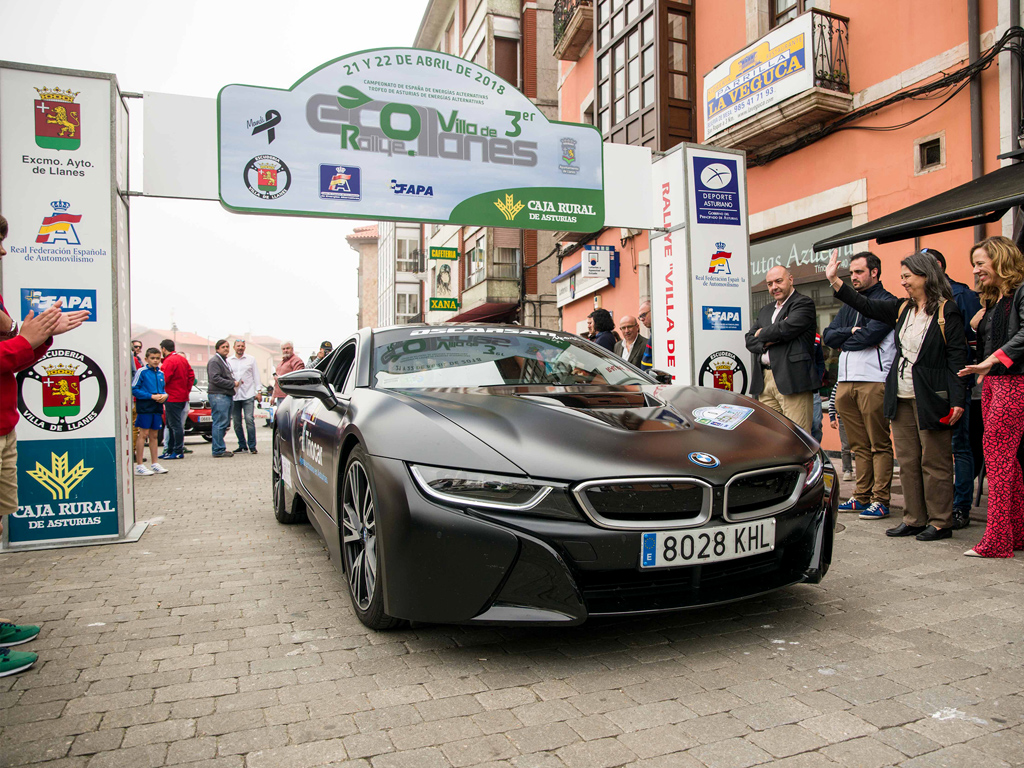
point(218, 273)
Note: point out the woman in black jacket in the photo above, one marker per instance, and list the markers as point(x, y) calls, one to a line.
point(923, 383)
point(999, 268)
point(603, 327)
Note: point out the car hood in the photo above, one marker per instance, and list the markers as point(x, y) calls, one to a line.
point(590, 432)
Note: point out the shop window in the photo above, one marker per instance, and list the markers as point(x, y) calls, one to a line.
point(782, 11)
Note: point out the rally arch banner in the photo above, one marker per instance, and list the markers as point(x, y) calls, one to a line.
point(408, 135)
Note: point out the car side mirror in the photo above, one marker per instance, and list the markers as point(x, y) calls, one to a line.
point(661, 377)
point(307, 382)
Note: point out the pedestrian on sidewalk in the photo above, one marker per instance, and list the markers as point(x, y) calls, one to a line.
point(923, 392)
point(963, 457)
point(247, 390)
point(289, 362)
point(178, 380)
point(844, 443)
point(221, 390)
point(782, 342)
point(150, 396)
point(20, 348)
point(867, 351)
point(999, 270)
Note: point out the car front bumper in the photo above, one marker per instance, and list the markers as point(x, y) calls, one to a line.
point(445, 565)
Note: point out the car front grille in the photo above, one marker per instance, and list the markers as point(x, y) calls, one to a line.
point(646, 502)
point(761, 493)
point(629, 591)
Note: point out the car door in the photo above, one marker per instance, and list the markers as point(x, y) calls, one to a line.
point(319, 428)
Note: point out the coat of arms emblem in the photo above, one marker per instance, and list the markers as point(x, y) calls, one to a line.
point(58, 119)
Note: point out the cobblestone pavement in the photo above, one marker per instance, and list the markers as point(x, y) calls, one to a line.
point(223, 639)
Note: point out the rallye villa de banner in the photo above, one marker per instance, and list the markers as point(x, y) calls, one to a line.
point(407, 134)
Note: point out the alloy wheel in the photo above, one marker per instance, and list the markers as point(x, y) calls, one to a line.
point(359, 535)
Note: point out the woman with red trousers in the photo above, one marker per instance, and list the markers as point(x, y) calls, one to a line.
point(999, 270)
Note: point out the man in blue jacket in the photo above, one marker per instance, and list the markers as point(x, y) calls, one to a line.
point(868, 349)
point(963, 457)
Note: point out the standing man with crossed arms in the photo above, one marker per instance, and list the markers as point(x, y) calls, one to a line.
point(782, 340)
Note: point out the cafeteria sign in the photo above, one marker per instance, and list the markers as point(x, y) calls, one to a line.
point(444, 253)
point(405, 134)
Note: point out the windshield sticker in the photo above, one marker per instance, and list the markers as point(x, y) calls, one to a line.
point(722, 416)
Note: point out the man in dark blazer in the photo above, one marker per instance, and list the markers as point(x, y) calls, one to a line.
point(632, 346)
point(782, 340)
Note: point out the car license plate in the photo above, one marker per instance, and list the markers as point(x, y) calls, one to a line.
point(668, 549)
point(204, 419)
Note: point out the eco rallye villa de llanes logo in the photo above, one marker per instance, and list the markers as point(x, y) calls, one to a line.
point(58, 119)
point(71, 392)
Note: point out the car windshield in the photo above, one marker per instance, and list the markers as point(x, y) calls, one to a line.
point(490, 357)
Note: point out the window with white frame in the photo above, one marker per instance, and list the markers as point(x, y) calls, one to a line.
point(408, 308)
point(408, 255)
point(506, 263)
point(475, 263)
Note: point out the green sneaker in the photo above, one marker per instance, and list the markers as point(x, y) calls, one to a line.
point(13, 634)
point(12, 662)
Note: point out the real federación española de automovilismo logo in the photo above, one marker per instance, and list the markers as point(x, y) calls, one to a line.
point(62, 392)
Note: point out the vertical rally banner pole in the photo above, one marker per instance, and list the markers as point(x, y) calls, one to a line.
point(718, 244)
point(63, 165)
point(670, 270)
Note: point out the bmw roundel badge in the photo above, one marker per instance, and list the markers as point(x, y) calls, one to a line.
point(702, 459)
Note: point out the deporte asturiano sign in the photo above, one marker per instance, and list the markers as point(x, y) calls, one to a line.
point(407, 134)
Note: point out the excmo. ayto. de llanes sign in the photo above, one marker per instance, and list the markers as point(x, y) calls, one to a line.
point(407, 134)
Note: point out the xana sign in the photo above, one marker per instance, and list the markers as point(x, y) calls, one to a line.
point(426, 120)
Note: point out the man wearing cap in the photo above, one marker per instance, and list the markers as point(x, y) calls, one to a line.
point(320, 354)
point(247, 385)
point(289, 362)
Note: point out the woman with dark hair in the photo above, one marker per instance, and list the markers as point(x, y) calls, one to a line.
point(922, 388)
point(999, 269)
point(603, 327)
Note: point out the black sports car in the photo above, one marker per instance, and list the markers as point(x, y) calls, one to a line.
point(501, 474)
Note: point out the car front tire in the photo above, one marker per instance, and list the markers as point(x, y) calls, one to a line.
point(360, 543)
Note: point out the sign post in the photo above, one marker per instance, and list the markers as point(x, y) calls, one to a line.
point(700, 298)
point(63, 160)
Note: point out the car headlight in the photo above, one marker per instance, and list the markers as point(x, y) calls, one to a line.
point(475, 489)
point(813, 468)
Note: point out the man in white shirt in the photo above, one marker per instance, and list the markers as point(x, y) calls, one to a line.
point(247, 390)
point(631, 348)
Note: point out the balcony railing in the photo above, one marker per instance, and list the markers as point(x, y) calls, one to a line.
point(831, 38)
point(573, 27)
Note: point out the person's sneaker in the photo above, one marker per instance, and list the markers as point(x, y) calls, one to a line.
point(225, 455)
point(253, 451)
point(241, 450)
point(172, 456)
point(157, 469)
point(12, 662)
point(852, 505)
point(141, 470)
point(14, 634)
point(164, 455)
point(188, 450)
point(961, 518)
point(847, 475)
point(876, 511)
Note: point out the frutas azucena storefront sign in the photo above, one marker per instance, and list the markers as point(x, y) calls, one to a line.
point(369, 134)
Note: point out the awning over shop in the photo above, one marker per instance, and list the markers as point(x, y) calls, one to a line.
point(489, 312)
point(980, 201)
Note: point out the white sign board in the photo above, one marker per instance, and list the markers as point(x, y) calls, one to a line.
point(407, 134)
point(58, 187)
point(597, 261)
point(763, 75)
point(700, 299)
